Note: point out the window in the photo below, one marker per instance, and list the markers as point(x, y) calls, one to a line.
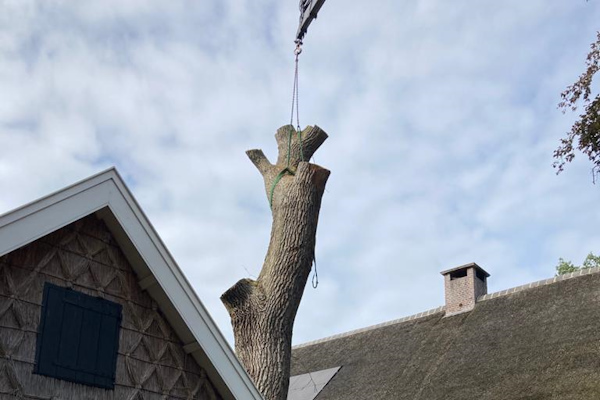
point(78, 337)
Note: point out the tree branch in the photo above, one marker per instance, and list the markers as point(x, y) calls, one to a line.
point(259, 160)
point(238, 296)
point(311, 138)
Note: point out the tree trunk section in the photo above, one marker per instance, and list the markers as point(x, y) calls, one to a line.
point(262, 311)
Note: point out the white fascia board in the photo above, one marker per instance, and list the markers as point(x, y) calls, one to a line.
point(48, 214)
point(107, 189)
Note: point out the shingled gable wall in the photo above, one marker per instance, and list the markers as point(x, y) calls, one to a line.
point(151, 363)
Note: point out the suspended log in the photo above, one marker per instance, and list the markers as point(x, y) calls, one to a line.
point(263, 310)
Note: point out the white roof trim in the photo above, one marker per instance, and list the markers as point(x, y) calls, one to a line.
point(107, 189)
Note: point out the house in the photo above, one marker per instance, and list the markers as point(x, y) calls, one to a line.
point(93, 306)
point(540, 341)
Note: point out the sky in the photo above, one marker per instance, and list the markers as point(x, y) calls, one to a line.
point(442, 120)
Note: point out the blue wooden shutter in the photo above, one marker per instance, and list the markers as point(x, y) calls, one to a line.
point(78, 339)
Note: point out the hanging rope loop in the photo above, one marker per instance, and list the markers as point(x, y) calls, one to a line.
point(315, 279)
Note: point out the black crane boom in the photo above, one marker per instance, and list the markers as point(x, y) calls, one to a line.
point(308, 12)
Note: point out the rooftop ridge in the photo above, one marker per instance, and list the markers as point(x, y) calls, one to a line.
point(489, 296)
point(543, 282)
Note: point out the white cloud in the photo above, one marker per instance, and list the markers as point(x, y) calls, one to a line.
point(442, 120)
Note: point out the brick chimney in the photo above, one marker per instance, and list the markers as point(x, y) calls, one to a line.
point(463, 286)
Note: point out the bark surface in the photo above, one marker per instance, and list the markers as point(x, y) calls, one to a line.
point(263, 310)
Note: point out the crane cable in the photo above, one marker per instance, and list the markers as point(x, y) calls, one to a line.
point(287, 169)
point(295, 94)
point(295, 102)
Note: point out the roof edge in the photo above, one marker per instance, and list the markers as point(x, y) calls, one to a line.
point(372, 327)
point(33, 206)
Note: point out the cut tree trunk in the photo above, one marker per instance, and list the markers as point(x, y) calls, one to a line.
point(263, 310)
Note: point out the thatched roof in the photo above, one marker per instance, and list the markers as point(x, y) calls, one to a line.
point(537, 344)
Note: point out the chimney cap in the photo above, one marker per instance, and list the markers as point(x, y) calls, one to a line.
point(466, 266)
